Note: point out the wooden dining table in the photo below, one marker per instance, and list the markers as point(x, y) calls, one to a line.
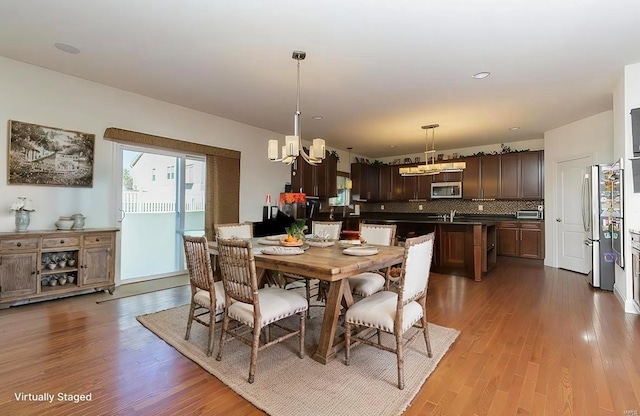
point(331, 265)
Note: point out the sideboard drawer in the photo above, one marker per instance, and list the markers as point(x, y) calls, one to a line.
point(60, 242)
point(20, 244)
point(97, 240)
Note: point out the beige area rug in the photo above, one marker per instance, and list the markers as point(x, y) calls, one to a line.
point(148, 286)
point(287, 385)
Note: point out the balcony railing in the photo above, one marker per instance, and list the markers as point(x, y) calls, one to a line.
point(140, 202)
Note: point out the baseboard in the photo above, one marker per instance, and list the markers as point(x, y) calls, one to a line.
point(628, 304)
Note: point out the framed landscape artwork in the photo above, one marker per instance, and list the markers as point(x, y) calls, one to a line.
point(40, 155)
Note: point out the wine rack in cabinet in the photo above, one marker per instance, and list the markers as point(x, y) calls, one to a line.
point(41, 265)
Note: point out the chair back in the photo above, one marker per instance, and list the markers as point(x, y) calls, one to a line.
point(236, 230)
point(327, 229)
point(416, 266)
point(196, 251)
point(238, 270)
point(379, 234)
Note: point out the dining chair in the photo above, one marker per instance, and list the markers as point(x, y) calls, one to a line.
point(367, 283)
point(253, 307)
point(207, 296)
point(234, 230)
point(396, 312)
point(324, 229)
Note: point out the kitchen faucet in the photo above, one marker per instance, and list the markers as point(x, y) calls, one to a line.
point(453, 214)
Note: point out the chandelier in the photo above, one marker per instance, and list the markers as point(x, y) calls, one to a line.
point(293, 144)
point(432, 168)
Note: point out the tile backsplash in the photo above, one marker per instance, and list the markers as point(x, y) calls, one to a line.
point(446, 205)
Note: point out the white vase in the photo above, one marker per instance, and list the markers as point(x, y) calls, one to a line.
point(23, 219)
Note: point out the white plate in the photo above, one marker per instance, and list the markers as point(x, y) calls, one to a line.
point(320, 243)
point(349, 243)
point(267, 242)
point(282, 251)
point(361, 251)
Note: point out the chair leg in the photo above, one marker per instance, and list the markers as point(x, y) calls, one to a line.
point(190, 321)
point(379, 337)
point(223, 335)
point(347, 342)
point(212, 327)
point(400, 359)
point(302, 330)
point(425, 331)
point(254, 353)
point(307, 286)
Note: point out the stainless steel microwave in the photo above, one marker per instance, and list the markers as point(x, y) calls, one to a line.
point(446, 190)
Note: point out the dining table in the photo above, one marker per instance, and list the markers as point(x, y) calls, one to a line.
point(331, 265)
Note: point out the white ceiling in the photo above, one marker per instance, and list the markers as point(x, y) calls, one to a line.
point(375, 70)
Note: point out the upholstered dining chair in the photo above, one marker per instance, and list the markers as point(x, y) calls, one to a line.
point(367, 283)
point(234, 230)
point(323, 229)
point(253, 307)
point(207, 297)
point(393, 312)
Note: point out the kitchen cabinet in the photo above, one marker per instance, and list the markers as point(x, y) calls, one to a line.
point(522, 175)
point(521, 239)
point(391, 183)
point(41, 265)
point(365, 182)
point(315, 180)
point(481, 177)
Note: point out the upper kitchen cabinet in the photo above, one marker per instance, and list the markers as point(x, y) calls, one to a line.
point(315, 180)
point(481, 177)
point(365, 179)
point(522, 175)
point(391, 183)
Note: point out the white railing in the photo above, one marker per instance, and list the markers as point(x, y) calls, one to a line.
point(140, 202)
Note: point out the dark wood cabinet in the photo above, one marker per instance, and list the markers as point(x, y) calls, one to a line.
point(522, 175)
point(366, 180)
point(481, 177)
point(521, 239)
point(315, 180)
point(392, 186)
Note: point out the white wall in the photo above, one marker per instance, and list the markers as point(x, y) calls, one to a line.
point(627, 97)
point(592, 136)
point(36, 95)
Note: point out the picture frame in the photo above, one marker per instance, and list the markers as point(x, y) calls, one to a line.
point(440, 157)
point(417, 159)
point(49, 156)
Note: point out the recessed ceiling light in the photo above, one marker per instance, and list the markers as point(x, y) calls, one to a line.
point(317, 117)
point(514, 128)
point(66, 48)
point(392, 146)
point(481, 75)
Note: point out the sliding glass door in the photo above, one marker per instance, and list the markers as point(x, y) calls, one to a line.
point(162, 198)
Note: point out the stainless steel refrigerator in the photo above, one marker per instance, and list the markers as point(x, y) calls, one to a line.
point(597, 220)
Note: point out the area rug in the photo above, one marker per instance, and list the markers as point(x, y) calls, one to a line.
point(286, 385)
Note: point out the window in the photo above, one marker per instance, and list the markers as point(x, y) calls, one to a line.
point(344, 193)
point(171, 172)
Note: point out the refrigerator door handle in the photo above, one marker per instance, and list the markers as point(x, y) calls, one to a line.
point(586, 203)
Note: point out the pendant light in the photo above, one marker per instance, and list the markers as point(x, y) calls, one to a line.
point(432, 168)
point(293, 144)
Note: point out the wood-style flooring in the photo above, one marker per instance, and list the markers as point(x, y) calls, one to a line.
point(534, 341)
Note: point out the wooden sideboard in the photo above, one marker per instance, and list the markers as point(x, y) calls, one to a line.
point(42, 265)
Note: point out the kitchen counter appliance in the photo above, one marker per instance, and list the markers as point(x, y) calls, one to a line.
point(529, 215)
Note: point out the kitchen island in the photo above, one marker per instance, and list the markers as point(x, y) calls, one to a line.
point(464, 247)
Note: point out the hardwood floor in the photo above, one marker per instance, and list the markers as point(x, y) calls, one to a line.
point(534, 341)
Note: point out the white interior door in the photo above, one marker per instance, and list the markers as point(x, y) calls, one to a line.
point(573, 254)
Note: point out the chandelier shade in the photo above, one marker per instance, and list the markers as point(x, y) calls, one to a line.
point(432, 168)
point(293, 144)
